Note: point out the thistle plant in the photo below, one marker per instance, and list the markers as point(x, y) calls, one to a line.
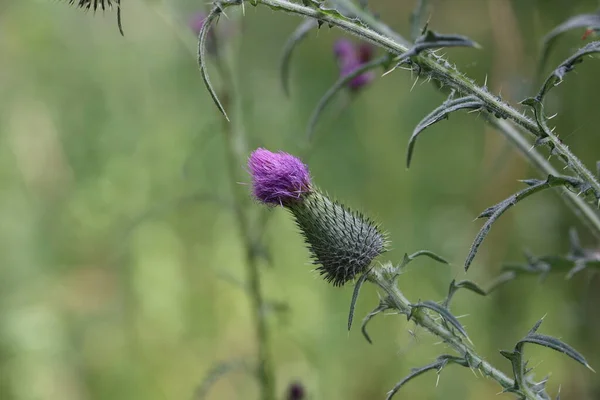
point(345, 245)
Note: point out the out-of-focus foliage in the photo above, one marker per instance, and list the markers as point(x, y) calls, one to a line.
point(118, 248)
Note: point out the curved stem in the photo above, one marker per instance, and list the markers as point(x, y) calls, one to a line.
point(422, 319)
point(236, 149)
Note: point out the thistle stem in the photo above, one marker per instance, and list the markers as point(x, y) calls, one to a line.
point(403, 306)
point(236, 152)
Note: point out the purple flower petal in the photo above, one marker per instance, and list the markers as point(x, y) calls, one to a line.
point(278, 178)
point(350, 57)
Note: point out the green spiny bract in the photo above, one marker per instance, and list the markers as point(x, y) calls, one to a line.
point(342, 242)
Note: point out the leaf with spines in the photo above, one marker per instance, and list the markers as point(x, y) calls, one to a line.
point(340, 84)
point(440, 113)
point(297, 36)
point(468, 285)
point(589, 21)
point(433, 40)
point(552, 343)
point(437, 365)
point(363, 328)
point(443, 312)
point(557, 76)
point(494, 212)
point(210, 19)
point(422, 253)
point(355, 293)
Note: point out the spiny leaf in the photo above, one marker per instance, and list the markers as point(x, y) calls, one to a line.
point(429, 254)
point(577, 21)
point(438, 365)
point(216, 373)
point(297, 36)
point(363, 328)
point(557, 76)
point(468, 285)
point(440, 113)
point(433, 40)
point(444, 313)
point(103, 4)
point(554, 344)
point(494, 212)
point(210, 19)
point(337, 86)
point(355, 293)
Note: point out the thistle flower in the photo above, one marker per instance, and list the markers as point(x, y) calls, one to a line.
point(342, 242)
point(278, 178)
point(351, 56)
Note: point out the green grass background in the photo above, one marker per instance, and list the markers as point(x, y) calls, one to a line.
point(115, 278)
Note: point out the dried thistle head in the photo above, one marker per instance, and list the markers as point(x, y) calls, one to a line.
point(103, 4)
point(342, 242)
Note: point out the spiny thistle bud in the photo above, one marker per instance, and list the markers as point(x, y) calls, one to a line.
point(103, 4)
point(342, 242)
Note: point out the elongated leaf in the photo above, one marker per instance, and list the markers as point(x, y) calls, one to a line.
point(555, 344)
point(297, 36)
point(557, 76)
point(363, 328)
point(468, 285)
point(444, 313)
point(355, 293)
point(494, 212)
point(210, 19)
point(429, 254)
point(440, 113)
point(578, 21)
point(433, 40)
point(338, 86)
point(437, 365)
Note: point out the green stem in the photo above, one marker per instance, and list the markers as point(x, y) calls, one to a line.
point(236, 149)
point(422, 319)
point(381, 35)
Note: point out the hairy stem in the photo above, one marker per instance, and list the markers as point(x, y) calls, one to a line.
point(402, 305)
point(236, 149)
point(369, 28)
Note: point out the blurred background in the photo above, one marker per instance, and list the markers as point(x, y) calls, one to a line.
point(118, 249)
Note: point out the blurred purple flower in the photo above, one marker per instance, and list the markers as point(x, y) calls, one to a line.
point(196, 23)
point(351, 56)
point(278, 178)
point(295, 391)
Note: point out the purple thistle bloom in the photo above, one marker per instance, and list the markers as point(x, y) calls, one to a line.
point(351, 56)
point(278, 178)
